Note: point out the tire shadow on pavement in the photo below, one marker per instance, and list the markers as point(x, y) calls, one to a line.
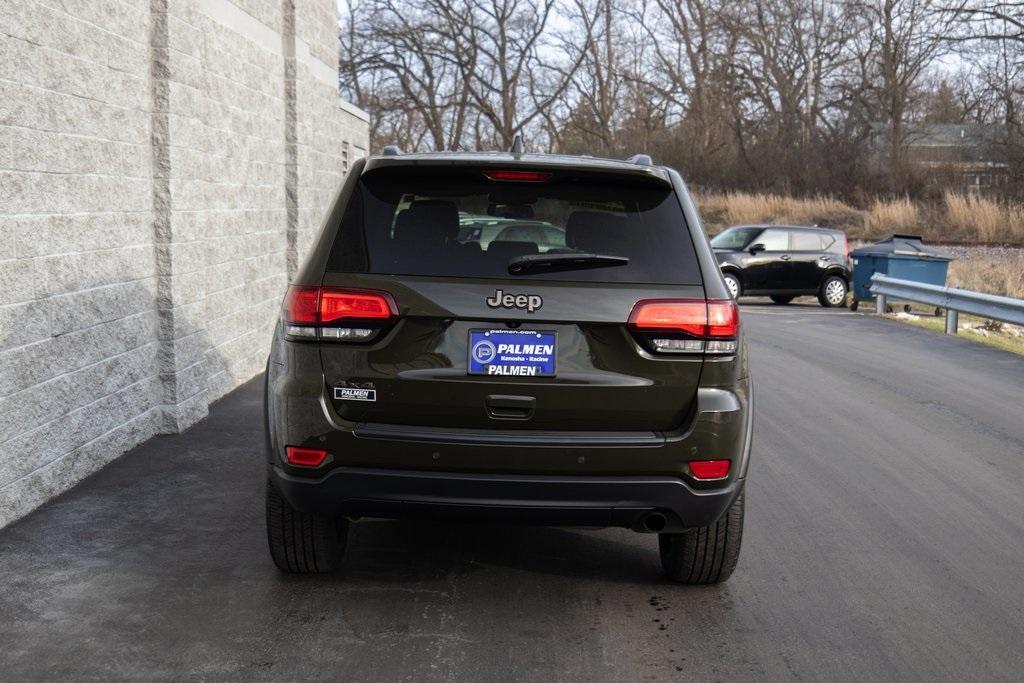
point(412, 551)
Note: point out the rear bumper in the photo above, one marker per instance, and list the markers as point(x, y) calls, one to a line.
point(620, 501)
point(551, 477)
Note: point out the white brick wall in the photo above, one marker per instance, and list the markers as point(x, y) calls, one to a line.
point(150, 208)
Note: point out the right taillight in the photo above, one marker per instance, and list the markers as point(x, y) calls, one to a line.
point(687, 325)
point(336, 313)
point(723, 319)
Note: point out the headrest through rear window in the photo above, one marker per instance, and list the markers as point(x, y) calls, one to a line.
point(430, 221)
point(504, 249)
point(598, 232)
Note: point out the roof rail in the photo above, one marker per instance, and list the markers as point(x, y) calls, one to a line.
point(392, 151)
point(640, 160)
point(517, 145)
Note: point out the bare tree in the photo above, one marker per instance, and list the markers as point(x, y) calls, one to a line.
point(414, 56)
point(691, 52)
point(989, 19)
point(789, 56)
point(593, 103)
point(902, 41)
point(992, 38)
point(520, 71)
point(792, 95)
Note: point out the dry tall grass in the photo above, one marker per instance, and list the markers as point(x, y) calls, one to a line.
point(995, 275)
point(958, 217)
point(735, 208)
point(898, 215)
point(990, 220)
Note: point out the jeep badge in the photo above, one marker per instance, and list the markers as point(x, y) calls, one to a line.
point(529, 302)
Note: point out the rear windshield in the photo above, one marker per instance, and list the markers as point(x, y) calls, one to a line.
point(461, 224)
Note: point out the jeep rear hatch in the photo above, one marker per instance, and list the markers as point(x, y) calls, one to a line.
point(489, 298)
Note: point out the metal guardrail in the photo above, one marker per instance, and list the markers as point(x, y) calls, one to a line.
point(954, 301)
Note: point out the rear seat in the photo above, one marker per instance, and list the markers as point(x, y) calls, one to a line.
point(424, 230)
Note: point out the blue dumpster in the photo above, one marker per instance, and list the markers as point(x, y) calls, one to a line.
point(901, 256)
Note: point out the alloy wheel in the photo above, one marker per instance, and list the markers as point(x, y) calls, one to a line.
point(734, 286)
point(835, 292)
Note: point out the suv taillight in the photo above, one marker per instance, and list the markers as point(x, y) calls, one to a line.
point(337, 314)
point(686, 325)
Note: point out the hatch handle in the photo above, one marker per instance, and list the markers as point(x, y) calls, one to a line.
point(502, 407)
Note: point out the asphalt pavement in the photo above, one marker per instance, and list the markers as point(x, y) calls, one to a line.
point(884, 540)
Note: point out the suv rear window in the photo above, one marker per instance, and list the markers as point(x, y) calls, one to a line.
point(808, 241)
point(834, 245)
point(461, 224)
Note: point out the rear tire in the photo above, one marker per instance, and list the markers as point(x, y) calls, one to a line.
point(732, 282)
point(707, 554)
point(833, 291)
point(303, 542)
point(782, 300)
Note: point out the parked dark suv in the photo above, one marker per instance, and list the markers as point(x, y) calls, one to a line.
point(784, 262)
point(601, 383)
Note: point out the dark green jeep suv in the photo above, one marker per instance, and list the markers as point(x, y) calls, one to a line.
point(598, 378)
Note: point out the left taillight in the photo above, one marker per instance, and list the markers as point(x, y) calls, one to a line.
point(687, 325)
point(301, 306)
point(336, 313)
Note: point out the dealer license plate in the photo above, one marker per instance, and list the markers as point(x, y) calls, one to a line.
point(512, 353)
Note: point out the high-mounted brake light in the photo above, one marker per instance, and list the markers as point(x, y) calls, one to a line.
point(687, 325)
point(518, 176)
point(318, 312)
point(709, 470)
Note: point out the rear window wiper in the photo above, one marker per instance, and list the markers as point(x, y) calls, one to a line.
point(535, 262)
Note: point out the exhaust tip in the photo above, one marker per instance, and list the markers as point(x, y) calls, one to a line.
point(654, 522)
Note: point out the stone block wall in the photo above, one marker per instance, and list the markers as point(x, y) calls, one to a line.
point(163, 166)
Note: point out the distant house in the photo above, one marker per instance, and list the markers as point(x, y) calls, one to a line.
point(964, 155)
